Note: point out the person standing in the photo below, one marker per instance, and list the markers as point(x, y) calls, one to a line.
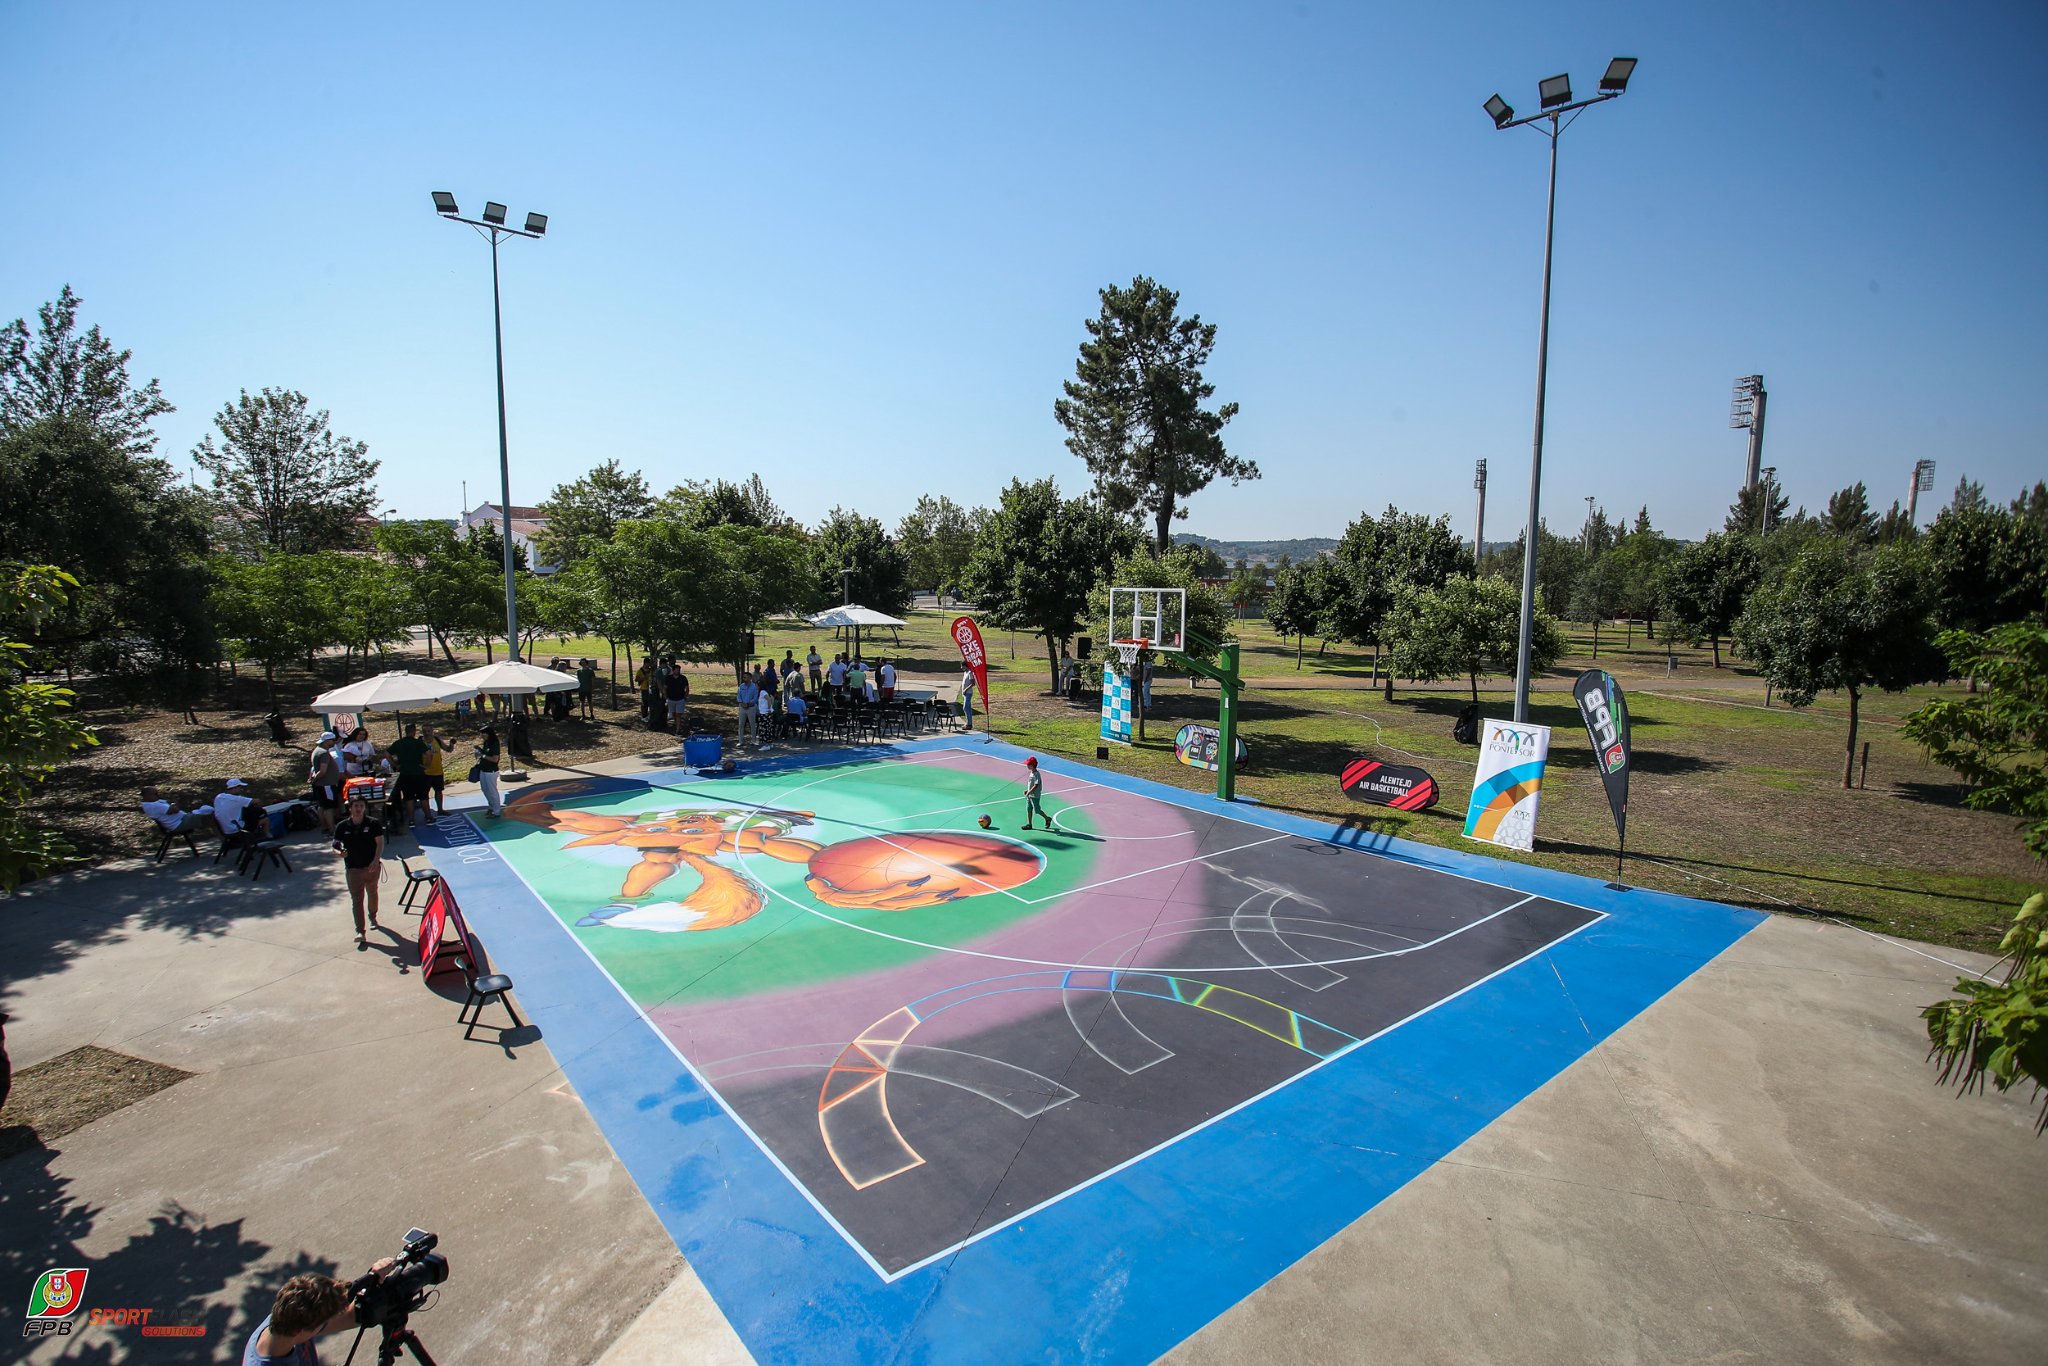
point(838, 676)
point(816, 662)
point(1145, 672)
point(764, 708)
point(749, 696)
point(1034, 791)
point(323, 774)
point(434, 767)
point(678, 690)
point(359, 842)
point(888, 679)
point(409, 754)
point(487, 751)
point(586, 688)
point(967, 696)
point(359, 755)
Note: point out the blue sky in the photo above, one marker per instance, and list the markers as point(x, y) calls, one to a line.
point(851, 247)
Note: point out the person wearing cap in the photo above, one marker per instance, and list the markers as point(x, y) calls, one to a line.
point(1034, 790)
point(231, 809)
point(323, 774)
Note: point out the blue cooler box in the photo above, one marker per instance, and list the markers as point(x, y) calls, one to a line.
point(703, 751)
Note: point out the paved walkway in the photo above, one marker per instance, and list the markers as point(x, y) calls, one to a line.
point(1758, 1168)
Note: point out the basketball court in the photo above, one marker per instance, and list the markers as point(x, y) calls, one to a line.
point(901, 1083)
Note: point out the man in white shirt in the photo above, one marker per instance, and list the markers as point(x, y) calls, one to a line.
point(750, 696)
point(888, 680)
point(231, 807)
point(838, 674)
point(816, 662)
point(170, 815)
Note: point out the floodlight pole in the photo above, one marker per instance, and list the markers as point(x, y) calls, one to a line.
point(1557, 124)
point(496, 233)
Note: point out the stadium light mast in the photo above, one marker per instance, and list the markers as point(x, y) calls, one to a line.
point(1923, 482)
point(1479, 518)
point(1554, 95)
point(1748, 411)
point(493, 227)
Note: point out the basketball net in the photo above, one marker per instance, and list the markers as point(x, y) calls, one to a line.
point(1127, 652)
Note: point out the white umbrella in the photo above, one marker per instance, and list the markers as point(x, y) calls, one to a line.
point(512, 678)
point(856, 616)
point(394, 691)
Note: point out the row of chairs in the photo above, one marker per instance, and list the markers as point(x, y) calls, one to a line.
point(864, 722)
point(252, 854)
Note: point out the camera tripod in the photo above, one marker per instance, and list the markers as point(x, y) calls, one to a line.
point(396, 1334)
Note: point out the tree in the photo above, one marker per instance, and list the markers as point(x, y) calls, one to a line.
point(120, 524)
point(1849, 515)
point(937, 537)
point(1997, 738)
point(1295, 605)
point(454, 592)
point(1893, 526)
point(1990, 566)
point(36, 728)
point(2000, 1030)
point(585, 512)
point(65, 375)
point(1706, 585)
point(1134, 409)
point(1600, 593)
point(1836, 622)
point(274, 610)
point(658, 568)
point(287, 483)
point(761, 574)
point(1757, 509)
point(1467, 627)
point(369, 606)
point(881, 575)
point(1968, 497)
point(702, 504)
point(487, 544)
point(1035, 564)
point(1375, 559)
point(1637, 565)
point(1247, 585)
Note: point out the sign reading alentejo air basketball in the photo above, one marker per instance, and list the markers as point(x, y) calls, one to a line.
point(1509, 782)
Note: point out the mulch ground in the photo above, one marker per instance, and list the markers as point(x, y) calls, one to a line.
point(73, 1089)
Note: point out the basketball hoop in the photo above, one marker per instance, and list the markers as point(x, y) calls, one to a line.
point(1127, 651)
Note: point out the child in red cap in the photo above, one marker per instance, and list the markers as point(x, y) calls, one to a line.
point(1034, 788)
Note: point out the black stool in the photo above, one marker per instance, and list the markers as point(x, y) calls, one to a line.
point(415, 879)
point(481, 990)
point(171, 837)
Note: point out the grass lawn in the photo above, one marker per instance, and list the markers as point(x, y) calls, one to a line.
point(1731, 799)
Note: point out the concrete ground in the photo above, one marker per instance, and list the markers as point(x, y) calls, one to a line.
point(1758, 1168)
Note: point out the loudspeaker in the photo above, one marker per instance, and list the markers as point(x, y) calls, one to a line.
point(1082, 646)
point(750, 644)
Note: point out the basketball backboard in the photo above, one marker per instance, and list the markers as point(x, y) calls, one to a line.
point(1158, 616)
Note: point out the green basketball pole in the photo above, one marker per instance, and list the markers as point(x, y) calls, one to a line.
point(1224, 671)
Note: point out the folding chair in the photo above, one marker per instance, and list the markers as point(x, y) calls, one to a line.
point(261, 854)
point(170, 837)
point(481, 990)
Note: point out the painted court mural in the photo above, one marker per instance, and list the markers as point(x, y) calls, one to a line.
point(935, 1029)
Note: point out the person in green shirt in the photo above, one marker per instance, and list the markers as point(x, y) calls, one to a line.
point(409, 755)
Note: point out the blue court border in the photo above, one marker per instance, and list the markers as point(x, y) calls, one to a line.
point(1126, 1267)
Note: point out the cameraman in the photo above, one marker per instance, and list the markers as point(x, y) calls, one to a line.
point(308, 1306)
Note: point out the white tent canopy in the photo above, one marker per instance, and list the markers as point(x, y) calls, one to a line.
point(509, 678)
point(394, 691)
point(853, 614)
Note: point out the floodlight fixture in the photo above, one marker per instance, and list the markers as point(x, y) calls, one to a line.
point(536, 223)
point(494, 213)
point(444, 202)
point(1923, 476)
point(1479, 475)
point(1554, 91)
point(1500, 111)
point(1616, 78)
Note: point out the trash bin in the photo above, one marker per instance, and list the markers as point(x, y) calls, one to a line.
point(703, 751)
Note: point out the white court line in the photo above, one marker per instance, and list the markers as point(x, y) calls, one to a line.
point(1110, 839)
point(1160, 868)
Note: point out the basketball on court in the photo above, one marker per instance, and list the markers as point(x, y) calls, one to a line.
point(984, 822)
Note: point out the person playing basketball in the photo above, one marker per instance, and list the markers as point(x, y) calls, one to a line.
point(1034, 789)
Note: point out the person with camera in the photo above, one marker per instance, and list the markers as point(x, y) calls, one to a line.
point(307, 1307)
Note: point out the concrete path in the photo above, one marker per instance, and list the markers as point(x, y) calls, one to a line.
point(1759, 1168)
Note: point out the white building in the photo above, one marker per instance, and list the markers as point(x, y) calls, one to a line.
point(527, 523)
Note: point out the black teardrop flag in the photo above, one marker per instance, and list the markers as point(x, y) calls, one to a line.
point(1606, 716)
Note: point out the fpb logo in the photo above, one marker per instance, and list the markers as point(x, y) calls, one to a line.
point(56, 1296)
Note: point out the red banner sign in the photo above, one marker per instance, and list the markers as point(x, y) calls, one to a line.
point(434, 922)
point(972, 653)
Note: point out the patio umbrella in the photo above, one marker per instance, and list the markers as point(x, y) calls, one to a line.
point(394, 691)
point(855, 616)
point(512, 679)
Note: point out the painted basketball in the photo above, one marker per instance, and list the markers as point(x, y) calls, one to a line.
point(918, 868)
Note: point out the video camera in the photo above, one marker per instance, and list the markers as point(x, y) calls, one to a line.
point(385, 1302)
